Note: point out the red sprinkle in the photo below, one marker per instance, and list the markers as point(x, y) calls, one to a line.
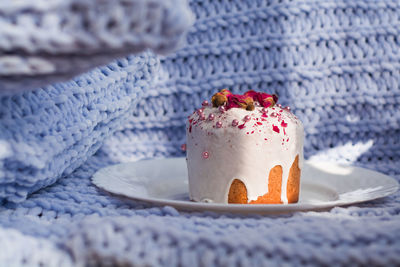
point(252, 132)
point(190, 128)
point(275, 128)
point(241, 126)
point(264, 115)
point(259, 123)
point(284, 124)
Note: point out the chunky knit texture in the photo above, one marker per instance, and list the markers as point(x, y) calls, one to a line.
point(334, 62)
point(51, 40)
point(49, 132)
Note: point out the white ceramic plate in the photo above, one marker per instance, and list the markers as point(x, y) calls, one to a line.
point(323, 185)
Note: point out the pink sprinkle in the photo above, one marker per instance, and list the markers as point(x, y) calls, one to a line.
point(211, 117)
point(242, 126)
point(273, 114)
point(205, 155)
point(200, 111)
point(205, 103)
point(287, 108)
point(183, 147)
point(235, 122)
point(218, 124)
point(247, 118)
point(275, 128)
point(221, 109)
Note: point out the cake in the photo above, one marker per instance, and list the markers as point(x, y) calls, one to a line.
point(244, 149)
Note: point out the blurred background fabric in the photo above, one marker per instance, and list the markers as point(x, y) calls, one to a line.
point(335, 63)
point(47, 41)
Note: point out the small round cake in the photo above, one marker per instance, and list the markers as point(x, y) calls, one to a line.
point(244, 149)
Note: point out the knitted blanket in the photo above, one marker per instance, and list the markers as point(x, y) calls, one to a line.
point(47, 41)
point(335, 63)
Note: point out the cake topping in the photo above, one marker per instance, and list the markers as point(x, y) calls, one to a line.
point(247, 101)
point(267, 114)
point(205, 155)
point(183, 147)
point(219, 99)
point(240, 101)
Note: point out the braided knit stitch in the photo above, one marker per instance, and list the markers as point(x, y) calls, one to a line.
point(47, 41)
point(334, 62)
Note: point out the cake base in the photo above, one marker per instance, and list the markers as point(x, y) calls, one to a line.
point(238, 191)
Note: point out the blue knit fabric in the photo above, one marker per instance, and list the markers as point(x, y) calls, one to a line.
point(48, 41)
point(50, 132)
point(336, 63)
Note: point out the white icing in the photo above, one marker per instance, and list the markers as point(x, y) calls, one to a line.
point(246, 154)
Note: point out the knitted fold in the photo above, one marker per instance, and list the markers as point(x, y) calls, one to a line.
point(49, 132)
point(43, 42)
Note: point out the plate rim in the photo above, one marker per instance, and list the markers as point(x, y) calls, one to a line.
point(234, 208)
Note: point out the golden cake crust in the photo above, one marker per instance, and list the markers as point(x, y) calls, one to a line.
point(238, 192)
